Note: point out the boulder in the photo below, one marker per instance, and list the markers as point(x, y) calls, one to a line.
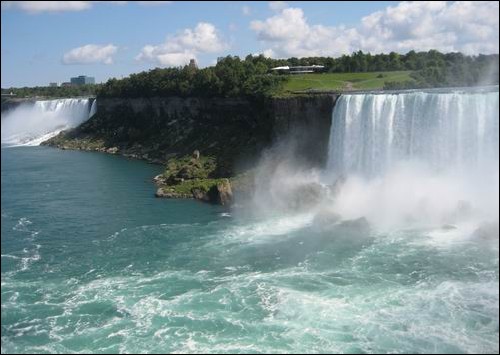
point(161, 192)
point(165, 193)
point(196, 154)
point(159, 179)
point(112, 150)
point(200, 194)
point(224, 192)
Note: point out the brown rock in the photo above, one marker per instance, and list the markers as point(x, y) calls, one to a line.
point(224, 194)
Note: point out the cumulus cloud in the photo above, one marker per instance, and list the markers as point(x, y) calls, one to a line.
point(466, 26)
point(61, 6)
point(178, 49)
point(90, 53)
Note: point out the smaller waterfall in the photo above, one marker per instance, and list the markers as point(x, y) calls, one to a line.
point(32, 123)
point(93, 108)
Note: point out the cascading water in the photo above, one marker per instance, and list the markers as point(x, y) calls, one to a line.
point(373, 132)
point(417, 157)
point(33, 123)
point(93, 108)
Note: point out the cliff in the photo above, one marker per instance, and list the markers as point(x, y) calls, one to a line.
point(235, 131)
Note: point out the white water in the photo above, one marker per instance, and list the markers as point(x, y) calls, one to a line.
point(93, 108)
point(372, 133)
point(417, 158)
point(32, 123)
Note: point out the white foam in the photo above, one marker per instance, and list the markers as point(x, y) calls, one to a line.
point(31, 124)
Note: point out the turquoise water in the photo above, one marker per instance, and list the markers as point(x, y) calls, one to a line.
point(92, 262)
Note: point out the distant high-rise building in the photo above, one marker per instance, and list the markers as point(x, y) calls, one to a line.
point(82, 80)
point(192, 64)
point(53, 85)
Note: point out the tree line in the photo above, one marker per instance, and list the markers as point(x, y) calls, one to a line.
point(232, 76)
point(53, 91)
point(251, 76)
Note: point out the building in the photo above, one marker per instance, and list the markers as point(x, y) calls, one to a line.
point(53, 85)
point(82, 80)
point(192, 64)
point(300, 69)
point(66, 84)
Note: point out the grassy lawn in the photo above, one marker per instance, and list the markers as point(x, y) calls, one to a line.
point(343, 81)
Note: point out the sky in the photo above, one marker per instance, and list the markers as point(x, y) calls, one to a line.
point(51, 41)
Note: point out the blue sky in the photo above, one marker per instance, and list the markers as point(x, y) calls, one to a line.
point(48, 41)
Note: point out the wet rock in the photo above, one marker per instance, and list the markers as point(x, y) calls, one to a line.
point(200, 194)
point(224, 192)
point(164, 192)
point(112, 150)
point(159, 179)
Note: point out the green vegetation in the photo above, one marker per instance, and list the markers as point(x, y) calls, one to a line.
point(189, 167)
point(53, 92)
point(193, 175)
point(344, 81)
point(230, 77)
point(250, 77)
point(187, 187)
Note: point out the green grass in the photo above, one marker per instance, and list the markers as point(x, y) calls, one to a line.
point(189, 168)
point(187, 186)
point(342, 81)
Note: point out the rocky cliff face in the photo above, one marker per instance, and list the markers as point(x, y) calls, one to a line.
point(235, 131)
point(303, 124)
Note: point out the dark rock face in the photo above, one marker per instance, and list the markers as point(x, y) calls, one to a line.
point(235, 130)
point(305, 122)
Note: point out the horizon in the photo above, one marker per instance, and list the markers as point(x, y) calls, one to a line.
point(43, 42)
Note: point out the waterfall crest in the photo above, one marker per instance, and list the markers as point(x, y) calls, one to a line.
point(372, 132)
point(32, 123)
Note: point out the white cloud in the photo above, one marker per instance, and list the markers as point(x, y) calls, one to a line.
point(466, 26)
point(246, 10)
point(61, 6)
point(277, 5)
point(90, 53)
point(178, 49)
point(48, 6)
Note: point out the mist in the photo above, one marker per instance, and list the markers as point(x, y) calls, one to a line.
point(32, 123)
point(396, 162)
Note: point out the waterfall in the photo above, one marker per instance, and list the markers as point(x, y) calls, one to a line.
point(372, 132)
point(416, 158)
point(93, 108)
point(33, 123)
